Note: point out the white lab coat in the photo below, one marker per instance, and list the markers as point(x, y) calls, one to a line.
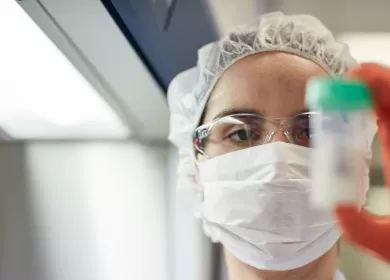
point(338, 276)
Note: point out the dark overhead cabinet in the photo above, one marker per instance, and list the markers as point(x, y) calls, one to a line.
point(165, 33)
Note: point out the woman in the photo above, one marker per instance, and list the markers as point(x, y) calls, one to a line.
point(244, 139)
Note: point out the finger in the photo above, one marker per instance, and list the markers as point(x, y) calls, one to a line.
point(377, 78)
point(365, 230)
point(351, 220)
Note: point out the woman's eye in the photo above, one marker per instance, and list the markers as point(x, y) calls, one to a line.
point(304, 134)
point(243, 135)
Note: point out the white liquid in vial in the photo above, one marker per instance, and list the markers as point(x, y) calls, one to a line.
point(336, 175)
point(337, 165)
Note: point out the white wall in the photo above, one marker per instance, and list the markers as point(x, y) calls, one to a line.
point(227, 14)
point(17, 255)
point(340, 16)
point(190, 250)
point(83, 211)
point(85, 32)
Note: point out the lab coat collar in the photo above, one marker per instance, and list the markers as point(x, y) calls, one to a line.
point(338, 276)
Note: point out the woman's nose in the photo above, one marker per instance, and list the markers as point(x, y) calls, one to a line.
point(278, 136)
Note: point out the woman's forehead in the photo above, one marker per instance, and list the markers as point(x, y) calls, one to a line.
point(271, 83)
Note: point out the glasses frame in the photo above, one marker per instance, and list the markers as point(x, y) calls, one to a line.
point(203, 131)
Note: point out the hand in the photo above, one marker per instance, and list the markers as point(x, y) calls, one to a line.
point(365, 230)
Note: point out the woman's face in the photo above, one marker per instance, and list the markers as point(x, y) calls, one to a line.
point(269, 84)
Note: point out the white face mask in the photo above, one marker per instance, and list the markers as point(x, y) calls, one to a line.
point(256, 203)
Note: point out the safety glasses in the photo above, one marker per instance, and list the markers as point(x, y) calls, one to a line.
point(240, 131)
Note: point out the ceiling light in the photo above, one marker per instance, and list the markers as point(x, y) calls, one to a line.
point(42, 95)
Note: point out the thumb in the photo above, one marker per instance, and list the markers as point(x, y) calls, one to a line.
point(365, 230)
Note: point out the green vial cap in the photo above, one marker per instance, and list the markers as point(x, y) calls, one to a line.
point(325, 94)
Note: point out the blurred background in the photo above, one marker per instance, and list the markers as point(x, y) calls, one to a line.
point(87, 174)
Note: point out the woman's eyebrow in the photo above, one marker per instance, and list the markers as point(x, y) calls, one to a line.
point(232, 111)
point(300, 112)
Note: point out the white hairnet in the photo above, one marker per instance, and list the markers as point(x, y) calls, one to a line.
point(180, 100)
point(302, 35)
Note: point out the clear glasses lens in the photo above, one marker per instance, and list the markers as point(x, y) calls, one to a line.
point(236, 132)
point(299, 127)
